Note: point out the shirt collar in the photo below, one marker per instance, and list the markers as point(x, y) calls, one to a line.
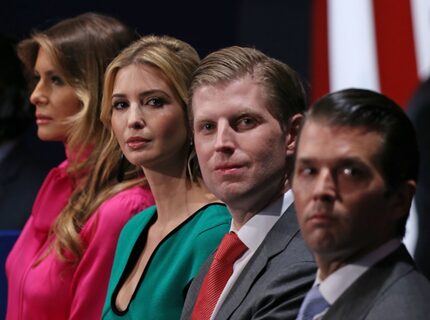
point(340, 280)
point(255, 230)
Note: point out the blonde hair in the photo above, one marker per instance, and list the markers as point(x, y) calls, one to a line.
point(175, 58)
point(81, 48)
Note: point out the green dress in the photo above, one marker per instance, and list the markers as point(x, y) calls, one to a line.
point(163, 285)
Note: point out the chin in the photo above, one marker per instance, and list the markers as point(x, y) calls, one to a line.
point(321, 245)
point(47, 133)
point(47, 137)
point(133, 160)
point(234, 198)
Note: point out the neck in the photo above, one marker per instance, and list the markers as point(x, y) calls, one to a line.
point(77, 155)
point(329, 263)
point(176, 197)
point(327, 268)
point(245, 210)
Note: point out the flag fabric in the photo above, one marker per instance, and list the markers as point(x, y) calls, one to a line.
point(382, 45)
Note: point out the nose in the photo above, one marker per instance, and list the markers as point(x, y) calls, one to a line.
point(135, 117)
point(39, 96)
point(224, 137)
point(325, 187)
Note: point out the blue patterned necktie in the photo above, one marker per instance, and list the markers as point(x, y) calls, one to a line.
point(313, 304)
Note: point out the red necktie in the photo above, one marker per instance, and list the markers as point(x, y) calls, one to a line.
point(221, 269)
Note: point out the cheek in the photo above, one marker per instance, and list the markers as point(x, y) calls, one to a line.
point(367, 215)
point(268, 153)
point(363, 203)
point(203, 157)
point(68, 103)
point(116, 125)
point(303, 190)
point(202, 149)
point(268, 161)
point(176, 130)
point(299, 196)
point(168, 125)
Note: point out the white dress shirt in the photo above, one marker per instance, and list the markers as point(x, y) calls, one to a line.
point(252, 234)
point(340, 280)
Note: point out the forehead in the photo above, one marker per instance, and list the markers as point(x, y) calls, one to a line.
point(140, 75)
point(43, 60)
point(322, 141)
point(241, 94)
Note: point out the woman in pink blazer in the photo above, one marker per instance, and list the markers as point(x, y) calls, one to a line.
point(59, 267)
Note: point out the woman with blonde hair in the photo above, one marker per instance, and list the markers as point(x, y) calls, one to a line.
point(60, 265)
point(161, 249)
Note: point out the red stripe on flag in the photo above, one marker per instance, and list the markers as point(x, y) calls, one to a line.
point(396, 50)
point(319, 50)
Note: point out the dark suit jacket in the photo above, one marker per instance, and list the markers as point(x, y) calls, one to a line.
point(419, 113)
point(391, 289)
point(21, 176)
point(273, 283)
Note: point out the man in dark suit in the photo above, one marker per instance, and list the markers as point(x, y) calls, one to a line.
point(354, 179)
point(246, 109)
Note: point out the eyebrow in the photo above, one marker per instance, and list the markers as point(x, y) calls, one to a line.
point(341, 161)
point(118, 95)
point(48, 73)
point(142, 94)
point(236, 114)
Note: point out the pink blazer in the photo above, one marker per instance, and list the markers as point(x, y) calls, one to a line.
point(53, 289)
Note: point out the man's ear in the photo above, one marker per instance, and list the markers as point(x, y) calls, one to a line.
point(401, 199)
point(293, 133)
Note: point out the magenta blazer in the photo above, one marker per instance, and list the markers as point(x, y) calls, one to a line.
point(54, 289)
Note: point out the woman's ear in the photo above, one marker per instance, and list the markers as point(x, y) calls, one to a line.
point(293, 133)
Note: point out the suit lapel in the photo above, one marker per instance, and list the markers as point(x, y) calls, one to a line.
point(369, 286)
point(276, 240)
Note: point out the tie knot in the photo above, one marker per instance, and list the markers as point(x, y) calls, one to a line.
point(230, 248)
point(313, 304)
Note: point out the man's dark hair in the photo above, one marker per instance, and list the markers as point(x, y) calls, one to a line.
point(372, 111)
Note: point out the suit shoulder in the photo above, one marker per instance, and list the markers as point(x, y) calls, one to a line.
point(410, 289)
point(296, 252)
